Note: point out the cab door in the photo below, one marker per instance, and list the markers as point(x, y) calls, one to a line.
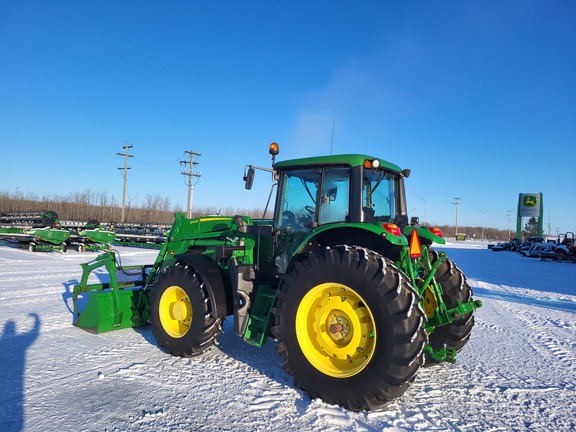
point(308, 198)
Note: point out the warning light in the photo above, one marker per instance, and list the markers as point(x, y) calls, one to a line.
point(415, 248)
point(274, 149)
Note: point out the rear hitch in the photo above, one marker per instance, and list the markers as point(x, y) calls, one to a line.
point(442, 355)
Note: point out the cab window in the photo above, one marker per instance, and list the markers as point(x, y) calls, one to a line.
point(335, 196)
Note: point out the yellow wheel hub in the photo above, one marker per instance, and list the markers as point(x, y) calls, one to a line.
point(430, 302)
point(335, 330)
point(175, 311)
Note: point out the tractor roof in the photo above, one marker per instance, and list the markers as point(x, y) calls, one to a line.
point(346, 159)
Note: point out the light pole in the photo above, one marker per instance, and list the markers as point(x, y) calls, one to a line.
point(509, 213)
point(482, 223)
point(457, 203)
point(424, 209)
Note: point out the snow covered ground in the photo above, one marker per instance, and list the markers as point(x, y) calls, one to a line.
point(518, 371)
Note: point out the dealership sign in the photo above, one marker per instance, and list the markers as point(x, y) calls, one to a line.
point(530, 205)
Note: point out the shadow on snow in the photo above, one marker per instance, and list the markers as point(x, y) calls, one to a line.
point(13, 349)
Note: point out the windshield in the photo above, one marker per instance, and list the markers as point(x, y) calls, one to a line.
point(379, 196)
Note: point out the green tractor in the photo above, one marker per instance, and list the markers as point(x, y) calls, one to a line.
point(351, 291)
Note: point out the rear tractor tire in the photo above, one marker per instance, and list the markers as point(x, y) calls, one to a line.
point(181, 319)
point(455, 287)
point(350, 328)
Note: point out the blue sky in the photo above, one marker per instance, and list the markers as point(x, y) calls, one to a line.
point(477, 98)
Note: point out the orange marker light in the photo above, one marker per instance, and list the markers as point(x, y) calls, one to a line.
point(375, 163)
point(415, 248)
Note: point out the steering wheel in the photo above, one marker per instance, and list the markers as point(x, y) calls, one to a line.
point(288, 218)
point(310, 209)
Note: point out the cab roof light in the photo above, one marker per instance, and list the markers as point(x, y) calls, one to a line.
point(392, 229)
point(370, 164)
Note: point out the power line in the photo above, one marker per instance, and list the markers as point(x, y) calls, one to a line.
point(159, 164)
point(189, 181)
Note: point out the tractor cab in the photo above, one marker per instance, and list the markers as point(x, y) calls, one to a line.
point(328, 200)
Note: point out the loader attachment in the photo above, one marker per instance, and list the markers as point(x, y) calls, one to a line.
point(121, 302)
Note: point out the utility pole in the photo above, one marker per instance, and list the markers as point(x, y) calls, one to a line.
point(509, 213)
point(189, 181)
point(457, 203)
point(126, 168)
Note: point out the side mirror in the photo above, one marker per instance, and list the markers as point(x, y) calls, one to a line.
point(414, 220)
point(249, 178)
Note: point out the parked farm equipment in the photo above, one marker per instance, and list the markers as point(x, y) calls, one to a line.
point(354, 295)
point(93, 239)
point(565, 249)
point(43, 230)
point(36, 230)
point(152, 236)
point(30, 219)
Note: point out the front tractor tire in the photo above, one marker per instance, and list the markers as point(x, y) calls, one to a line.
point(350, 328)
point(179, 313)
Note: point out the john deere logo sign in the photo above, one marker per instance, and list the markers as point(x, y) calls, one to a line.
point(530, 201)
point(529, 205)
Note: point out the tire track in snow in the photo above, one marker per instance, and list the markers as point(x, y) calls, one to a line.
point(541, 340)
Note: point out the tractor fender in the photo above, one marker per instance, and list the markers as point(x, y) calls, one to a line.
point(362, 235)
point(213, 277)
point(351, 230)
point(424, 232)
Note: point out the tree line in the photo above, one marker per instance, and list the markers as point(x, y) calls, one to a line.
point(89, 206)
point(476, 232)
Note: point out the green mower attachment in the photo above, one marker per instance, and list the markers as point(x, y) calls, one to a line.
point(50, 235)
point(99, 236)
point(112, 305)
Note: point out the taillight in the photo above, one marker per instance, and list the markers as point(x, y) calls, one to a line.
point(436, 231)
point(392, 229)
